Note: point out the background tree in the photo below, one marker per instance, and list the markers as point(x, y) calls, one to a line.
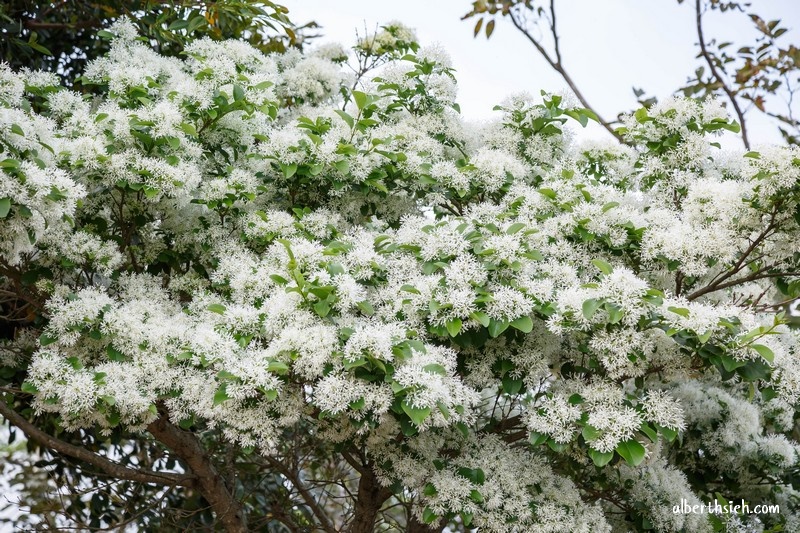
point(763, 75)
point(63, 36)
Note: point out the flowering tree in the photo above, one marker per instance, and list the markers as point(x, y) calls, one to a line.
point(272, 293)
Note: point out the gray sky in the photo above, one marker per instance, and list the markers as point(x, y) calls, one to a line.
point(608, 46)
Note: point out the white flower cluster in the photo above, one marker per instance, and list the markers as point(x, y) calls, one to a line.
point(245, 242)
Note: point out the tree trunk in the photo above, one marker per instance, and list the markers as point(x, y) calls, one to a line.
point(371, 496)
point(210, 482)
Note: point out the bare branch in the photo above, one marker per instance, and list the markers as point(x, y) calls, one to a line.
point(719, 282)
point(109, 467)
point(709, 60)
point(294, 479)
point(557, 65)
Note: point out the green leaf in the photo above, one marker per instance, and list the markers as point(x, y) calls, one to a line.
point(349, 365)
point(39, 48)
point(366, 308)
point(651, 433)
point(114, 354)
point(263, 85)
point(444, 410)
point(280, 280)
point(217, 308)
point(346, 117)
point(109, 400)
point(475, 475)
point(590, 306)
point(238, 92)
point(537, 438)
point(358, 404)
point(416, 414)
point(453, 326)
point(603, 266)
point(511, 386)
point(222, 394)
point(523, 323)
point(549, 193)
point(514, 228)
point(105, 34)
point(600, 459)
point(614, 313)
point(195, 23)
point(496, 327)
point(16, 129)
point(590, 433)
point(289, 170)
point(178, 25)
point(428, 516)
point(631, 451)
point(409, 288)
point(322, 308)
point(5, 207)
point(278, 367)
point(29, 388)
point(188, 129)
point(682, 311)
point(668, 433)
point(641, 115)
point(575, 399)
point(481, 317)
point(764, 352)
point(46, 339)
point(360, 98)
point(435, 368)
point(730, 364)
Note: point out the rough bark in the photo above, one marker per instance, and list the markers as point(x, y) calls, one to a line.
point(109, 467)
point(209, 481)
point(371, 496)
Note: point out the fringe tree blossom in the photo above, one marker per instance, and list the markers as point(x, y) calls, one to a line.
point(490, 325)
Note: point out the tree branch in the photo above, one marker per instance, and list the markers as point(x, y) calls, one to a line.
point(714, 72)
point(37, 25)
point(109, 467)
point(292, 477)
point(371, 496)
point(210, 483)
point(717, 282)
point(558, 66)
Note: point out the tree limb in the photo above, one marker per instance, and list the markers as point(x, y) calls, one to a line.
point(109, 467)
point(558, 66)
point(292, 477)
point(714, 72)
point(719, 282)
point(210, 483)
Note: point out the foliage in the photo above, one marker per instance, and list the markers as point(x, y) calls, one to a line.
point(261, 292)
point(763, 75)
point(64, 36)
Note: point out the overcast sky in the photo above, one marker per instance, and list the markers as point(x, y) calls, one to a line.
point(608, 46)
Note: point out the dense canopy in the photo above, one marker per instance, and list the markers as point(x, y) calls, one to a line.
point(246, 265)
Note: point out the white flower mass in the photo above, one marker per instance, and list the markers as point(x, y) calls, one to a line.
point(247, 242)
